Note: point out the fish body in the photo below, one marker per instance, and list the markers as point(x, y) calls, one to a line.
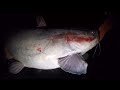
point(52, 48)
point(42, 48)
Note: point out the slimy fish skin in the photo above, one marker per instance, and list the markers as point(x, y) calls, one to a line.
point(50, 49)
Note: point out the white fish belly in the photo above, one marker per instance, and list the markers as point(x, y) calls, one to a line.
point(50, 63)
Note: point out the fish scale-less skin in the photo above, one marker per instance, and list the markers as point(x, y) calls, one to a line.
point(24, 45)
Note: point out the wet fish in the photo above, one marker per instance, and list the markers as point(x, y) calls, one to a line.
point(52, 48)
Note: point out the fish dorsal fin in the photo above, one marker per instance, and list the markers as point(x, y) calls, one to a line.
point(74, 64)
point(40, 21)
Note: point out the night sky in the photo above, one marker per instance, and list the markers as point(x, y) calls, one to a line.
point(105, 66)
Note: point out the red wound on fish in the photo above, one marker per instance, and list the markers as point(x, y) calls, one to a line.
point(78, 39)
point(72, 37)
point(84, 39)
point(39, 49)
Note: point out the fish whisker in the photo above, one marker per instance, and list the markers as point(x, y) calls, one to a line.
point(99, 49)
point(95, 51)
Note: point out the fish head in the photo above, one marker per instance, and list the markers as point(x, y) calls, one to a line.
point(84, 40)
point(92, 33)
point(82, 36)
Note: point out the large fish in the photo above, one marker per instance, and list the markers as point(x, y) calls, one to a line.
point(52, 48)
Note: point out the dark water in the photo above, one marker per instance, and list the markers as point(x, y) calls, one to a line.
point(105, 66)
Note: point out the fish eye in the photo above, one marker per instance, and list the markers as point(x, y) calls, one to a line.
point(93, 32)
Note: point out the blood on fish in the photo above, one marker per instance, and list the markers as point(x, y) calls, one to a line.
point(78, 39)
point(39, 49)
point(72, 37)
point(89, 39)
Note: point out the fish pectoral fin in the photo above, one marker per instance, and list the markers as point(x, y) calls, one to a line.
point(16, 67)
point(74, 64)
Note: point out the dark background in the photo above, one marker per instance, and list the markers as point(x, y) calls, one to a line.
point(105, 66)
